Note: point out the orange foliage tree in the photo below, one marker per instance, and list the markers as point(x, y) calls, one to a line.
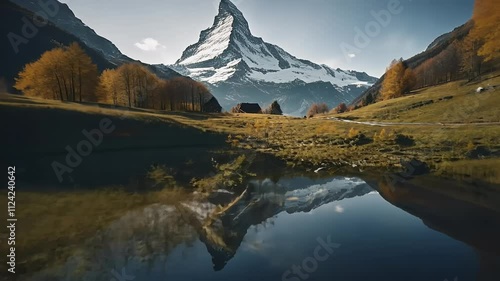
point(317, 108)
point(134, 85)
point(68, 74)
point(486, 19)
point(64, 73)
point(392, 86)
point(341, 108)
point(398, 80)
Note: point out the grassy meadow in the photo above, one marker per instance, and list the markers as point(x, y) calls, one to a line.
point(450, 139)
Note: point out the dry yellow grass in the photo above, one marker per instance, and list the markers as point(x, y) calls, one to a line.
point(487, 169)
point(455, 102)
point(313, 142)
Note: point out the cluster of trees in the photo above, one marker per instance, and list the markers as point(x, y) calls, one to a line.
point(482, 44)
point(321, 108)
point(341, 108)
point(399, 80)
point(133, 85)
point(461, 59)
point(317, 108)
point(442, 68)
point(68, 74)
point(486, 19)
point(64, 73)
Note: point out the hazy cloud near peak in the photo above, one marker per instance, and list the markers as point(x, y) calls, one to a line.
point(149, 44)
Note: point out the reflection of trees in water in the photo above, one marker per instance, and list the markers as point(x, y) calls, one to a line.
point(474, 225)
point(144, 237)
point(138, 240)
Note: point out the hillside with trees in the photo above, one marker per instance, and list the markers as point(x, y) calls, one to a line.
point(399, 80)
point(46, 39)
point(19, 50)
point(469, 52)
point(69, 74)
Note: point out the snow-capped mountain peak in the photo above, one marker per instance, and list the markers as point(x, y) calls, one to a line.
point(226, 7)
point(228, 53)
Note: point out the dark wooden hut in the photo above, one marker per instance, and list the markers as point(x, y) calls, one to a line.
point(212, 106)
point(247, 108)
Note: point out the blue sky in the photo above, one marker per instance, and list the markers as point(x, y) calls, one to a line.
point(317, 30)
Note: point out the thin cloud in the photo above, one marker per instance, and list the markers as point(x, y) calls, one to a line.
point(339, 209)
point(149, 44)
point(351, 55)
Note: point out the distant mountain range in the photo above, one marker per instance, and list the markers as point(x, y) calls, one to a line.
point(243, 68)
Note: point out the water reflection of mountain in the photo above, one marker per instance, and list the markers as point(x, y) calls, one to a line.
point(145, 238)
point(473, 225)
point(223, 230)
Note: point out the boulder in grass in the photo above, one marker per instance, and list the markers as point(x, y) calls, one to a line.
point(478, 153)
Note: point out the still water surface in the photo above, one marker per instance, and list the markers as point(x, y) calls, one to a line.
point(297, 229)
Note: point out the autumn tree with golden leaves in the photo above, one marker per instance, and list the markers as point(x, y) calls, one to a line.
point(134, 85)
point(392, 87)
point(399, 80)
point(68, 74)
point(110, 90)
point(483, 42)
point(64, 73)
point(486, 28)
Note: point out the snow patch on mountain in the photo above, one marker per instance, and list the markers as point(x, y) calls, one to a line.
point(229, 46)
point(217, 41)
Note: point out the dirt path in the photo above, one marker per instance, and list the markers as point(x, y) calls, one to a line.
point(391, 124)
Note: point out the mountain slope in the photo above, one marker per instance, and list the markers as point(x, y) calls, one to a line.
point(434, 49)
point(66, 20)
point(61, 17)
point(241, 67)
point(46, 39)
